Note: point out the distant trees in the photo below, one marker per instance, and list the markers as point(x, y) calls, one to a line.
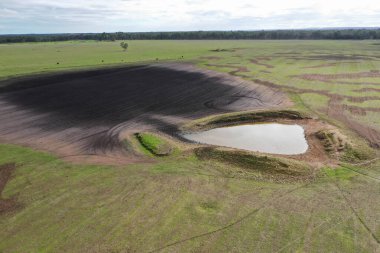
point(124, 45)
point(326, 34)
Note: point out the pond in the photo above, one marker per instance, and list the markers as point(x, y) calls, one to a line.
point(271, 138)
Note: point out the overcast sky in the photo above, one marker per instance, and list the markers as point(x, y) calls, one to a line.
point(57, 16)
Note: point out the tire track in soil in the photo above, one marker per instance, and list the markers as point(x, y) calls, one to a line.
point(356, 214)
point(248, 215)
point(361, 173)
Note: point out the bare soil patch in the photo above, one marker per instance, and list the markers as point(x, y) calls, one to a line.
point(327, 77)
point(237, 69)
point(6, 170)
point(336, 110)
point(84, 113)
point(332, 57)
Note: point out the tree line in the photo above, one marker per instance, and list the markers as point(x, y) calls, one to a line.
point(333, 34)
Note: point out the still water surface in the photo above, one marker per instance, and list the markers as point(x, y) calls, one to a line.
point(271, 138)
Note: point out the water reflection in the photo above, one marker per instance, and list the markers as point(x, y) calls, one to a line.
point(271, 138)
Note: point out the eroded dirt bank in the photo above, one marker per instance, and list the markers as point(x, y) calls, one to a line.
point(83, 113)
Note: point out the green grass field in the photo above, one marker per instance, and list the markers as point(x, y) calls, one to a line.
point(182, 203)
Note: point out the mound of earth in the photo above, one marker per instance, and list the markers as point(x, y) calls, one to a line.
point(84, 113)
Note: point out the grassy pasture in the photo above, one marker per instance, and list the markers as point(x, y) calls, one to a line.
point(18, 59)
point(182, 205)
point(186, 204)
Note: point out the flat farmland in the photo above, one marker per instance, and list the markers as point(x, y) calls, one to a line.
point(76, 176)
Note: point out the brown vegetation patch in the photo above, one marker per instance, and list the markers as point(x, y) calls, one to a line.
point(287, 53)
point(336, 111)
point(331, 141)
point(6, 171)
point(238, 69)
point(353, 83)
point(355, 110)
point(257, 62)
point(264, 58)
point(368, 90)
point(224, 50)
point(332, 57)
point(321, 66)
point(360, 110)
point(361, 99)
point(264, 167)
point(328, 65)
point(327, 77)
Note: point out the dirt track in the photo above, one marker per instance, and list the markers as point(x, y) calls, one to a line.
point(84, 113)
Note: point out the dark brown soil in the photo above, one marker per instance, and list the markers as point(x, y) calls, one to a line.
point(84, 113)
point(6, 170)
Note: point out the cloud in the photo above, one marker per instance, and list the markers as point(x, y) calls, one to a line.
point(39, 16)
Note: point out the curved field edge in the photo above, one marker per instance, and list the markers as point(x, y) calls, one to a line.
point(237, 118)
